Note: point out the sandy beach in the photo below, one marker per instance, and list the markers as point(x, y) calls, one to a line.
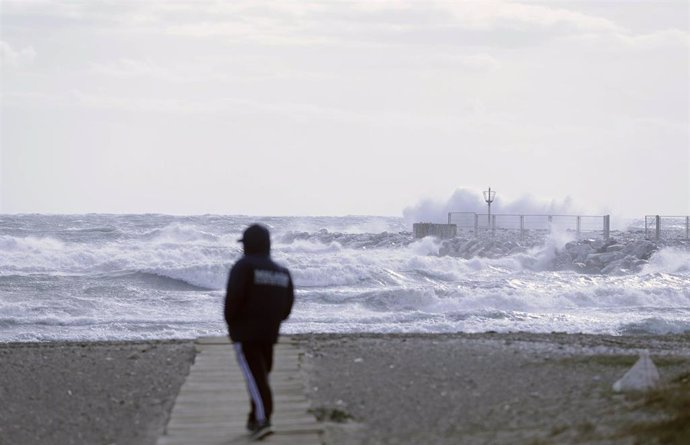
point(368, 389)
point(89, 393)
point(493, 388)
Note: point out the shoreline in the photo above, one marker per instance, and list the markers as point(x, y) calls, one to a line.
point(502, 388)
point(523, 335)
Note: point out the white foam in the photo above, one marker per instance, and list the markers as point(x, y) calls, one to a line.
point(182, 233)
point(669, 260)
point(10, 244)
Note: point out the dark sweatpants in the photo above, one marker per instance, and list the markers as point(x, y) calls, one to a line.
point(256, 362)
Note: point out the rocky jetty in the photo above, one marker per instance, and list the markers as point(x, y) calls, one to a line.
point(592, 256)
point(487, 247)
point(605, 256)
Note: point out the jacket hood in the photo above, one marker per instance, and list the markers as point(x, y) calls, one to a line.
point(256, 240)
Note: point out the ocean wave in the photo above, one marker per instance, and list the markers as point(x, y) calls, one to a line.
point(28, 244)
point(382, 240)
point(164, 276)
point(205, 277)
point(669, 260)
point(162, 280)
point(514, 292)
point(656, 326)
point(178, 233)
point(203, 265)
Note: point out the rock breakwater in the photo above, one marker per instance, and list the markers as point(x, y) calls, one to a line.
point(591, 256)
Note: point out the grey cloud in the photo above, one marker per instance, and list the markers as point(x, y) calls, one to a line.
point(461, 24)
point(414, 96)
point(16, 58)
point(457, 24)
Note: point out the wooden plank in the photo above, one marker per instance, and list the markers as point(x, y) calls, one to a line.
point(212, 405)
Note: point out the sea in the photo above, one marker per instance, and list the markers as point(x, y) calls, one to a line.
point(150, 276)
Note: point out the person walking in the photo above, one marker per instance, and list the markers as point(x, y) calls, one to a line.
point(259, 296)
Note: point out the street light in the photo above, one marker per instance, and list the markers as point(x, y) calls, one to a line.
point(489, 196)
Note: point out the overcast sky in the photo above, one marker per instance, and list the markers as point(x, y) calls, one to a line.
point(334, 108)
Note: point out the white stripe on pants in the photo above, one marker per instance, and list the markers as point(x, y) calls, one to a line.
point(251, 383)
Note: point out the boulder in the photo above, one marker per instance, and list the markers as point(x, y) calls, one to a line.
point(578, 252)
point(640, 249)
point(620, 266)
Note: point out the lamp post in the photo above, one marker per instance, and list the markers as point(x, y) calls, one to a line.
point(489, 196)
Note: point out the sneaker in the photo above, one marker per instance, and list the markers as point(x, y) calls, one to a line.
point(252, 425)
point(262, 430)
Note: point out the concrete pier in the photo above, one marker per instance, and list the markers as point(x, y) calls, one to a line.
point(443, 231)
point(213, 403)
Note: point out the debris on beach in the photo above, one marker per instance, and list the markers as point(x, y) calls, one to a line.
point(643, 376)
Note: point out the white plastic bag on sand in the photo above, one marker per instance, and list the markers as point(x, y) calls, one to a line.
point(641, 377)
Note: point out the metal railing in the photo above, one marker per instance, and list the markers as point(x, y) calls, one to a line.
point(667, 227)
point(484, 223)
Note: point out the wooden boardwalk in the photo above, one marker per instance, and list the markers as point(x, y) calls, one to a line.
point(213, 403)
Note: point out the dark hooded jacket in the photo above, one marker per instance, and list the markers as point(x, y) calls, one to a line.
point(260, 292)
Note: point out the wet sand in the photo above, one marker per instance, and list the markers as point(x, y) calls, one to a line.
point(367, 389)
